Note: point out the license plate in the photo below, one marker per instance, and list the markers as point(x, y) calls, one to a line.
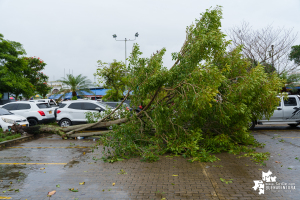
point(24, 125)
point(50, 111)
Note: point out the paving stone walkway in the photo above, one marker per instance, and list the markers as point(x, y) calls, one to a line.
point(70, 162)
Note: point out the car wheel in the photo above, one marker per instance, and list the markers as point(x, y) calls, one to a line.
point(32, 122)
point(65, 123)
point(293, 125)
point(251, 125)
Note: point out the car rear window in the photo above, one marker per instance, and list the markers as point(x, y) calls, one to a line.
point(43, 105)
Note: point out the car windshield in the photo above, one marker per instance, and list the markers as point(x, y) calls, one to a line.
point(105, 105)
point(115, 104)
point(5, 112)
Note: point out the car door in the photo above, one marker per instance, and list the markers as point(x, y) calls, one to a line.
point(291, 109)
point(23, 109)
point(91, 107)
point(277, 115)
point(76, 112)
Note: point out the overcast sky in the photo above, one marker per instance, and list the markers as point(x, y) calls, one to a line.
point(74, 34)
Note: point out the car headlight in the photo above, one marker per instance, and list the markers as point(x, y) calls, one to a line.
point(10, 121)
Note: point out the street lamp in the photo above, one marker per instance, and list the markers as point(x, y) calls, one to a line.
point(271, 54)
point(115, 36)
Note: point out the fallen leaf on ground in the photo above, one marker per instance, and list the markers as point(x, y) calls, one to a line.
point(42, 168)
point(82, 183)
point(44, 172)
point(58, 186)
point(113, 184)
point(83, 153)
point(259, 169)
point(277, 162)
point(17, 190)
point(51, 193)
point(174, 175)
point(73, 190)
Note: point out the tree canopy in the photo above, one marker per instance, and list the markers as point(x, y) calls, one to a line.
point(295, 54)
point(268, 46)
point(202, 104)
point(113, 75)
point(20, 74)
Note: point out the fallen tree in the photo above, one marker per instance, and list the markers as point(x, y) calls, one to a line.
point(202, 104)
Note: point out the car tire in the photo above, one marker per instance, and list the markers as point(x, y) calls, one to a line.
point(251, 125)
point(65, 123)
point(32, 121)
point(293, 125)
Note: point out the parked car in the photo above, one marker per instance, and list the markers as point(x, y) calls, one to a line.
point(288, 112)
point(73, 112)
point(50, 102)
point(34, 112)
point(7, 119)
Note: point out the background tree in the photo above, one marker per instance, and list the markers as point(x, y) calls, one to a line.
point(295, 54)
point(76, 84)
point(267, 46)
point(12, 66)
point(36, 79)
point(113, 76)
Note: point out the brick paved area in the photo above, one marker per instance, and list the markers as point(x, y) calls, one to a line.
point(142, 180)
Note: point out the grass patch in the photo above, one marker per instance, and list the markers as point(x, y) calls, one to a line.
point(4, 136)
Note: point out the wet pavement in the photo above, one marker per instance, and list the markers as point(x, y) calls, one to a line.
point(70, 162)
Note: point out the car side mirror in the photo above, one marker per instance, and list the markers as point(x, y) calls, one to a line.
point(98, 108)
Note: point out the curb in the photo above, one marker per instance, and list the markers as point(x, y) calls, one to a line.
point(14, 141)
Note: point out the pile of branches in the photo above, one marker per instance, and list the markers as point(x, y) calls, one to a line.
point(202, 104)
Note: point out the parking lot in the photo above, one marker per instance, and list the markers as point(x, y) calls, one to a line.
point(31, 169)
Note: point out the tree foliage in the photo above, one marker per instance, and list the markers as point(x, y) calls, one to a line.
point(20, 74)
point(75, 84)
point(295, 54)
point(113, 76)
point(202, 104)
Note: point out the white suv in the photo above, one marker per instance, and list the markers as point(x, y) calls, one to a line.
point(8, 119)
point(34, 112)
point(73, 112)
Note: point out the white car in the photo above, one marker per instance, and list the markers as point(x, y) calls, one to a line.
point(287, 112)
point(73, 112)
point(50, 102)
point(34, 112)
point(7, 119)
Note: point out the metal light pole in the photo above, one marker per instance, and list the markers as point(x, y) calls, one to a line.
point(115, 36)
point(271, 54)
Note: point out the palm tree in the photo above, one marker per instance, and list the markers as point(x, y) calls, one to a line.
point(76, 85)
